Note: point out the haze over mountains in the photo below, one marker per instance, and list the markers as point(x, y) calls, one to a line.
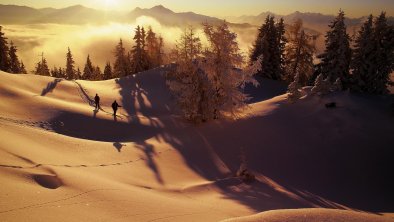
point(96, 32)
point(78, 14)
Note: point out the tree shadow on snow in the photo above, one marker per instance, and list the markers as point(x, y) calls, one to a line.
point(50, 86)
point(317, 166)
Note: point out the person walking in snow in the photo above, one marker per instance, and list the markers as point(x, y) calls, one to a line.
point(97, 101)
point(115, 106)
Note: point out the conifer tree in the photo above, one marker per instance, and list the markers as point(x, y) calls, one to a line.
point(23, 68)
point(269, 45)
point(139, 60)
point(383, 55)
point(97, 74)
point(122, 61)
point(88, 70)
point(154, 46)
point(42, 67)
point(14, 61)
point(187, 81)
point(294, 89)
point(299, 54)
point(335, 60)
point(107, 71)
point(4, 52)
point(223, 66)
point(207, 83)
point(281, 42)
point(337, 86)
point(160, 52)
point(54, 72)
point(363, 57)
point(79, 73)
point(70, 70)
point(322, 86)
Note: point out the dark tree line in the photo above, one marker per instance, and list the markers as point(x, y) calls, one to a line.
point(9, 61)
point(147, 53)
point(364, 67)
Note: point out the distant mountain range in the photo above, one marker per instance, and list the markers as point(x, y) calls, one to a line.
point(78, 14)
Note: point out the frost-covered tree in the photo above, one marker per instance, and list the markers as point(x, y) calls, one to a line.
point(208, 83)
point(362, 61)
point(299, 54)
point(186, 80)
point(269, 45)
point(223, 66)
point(4, 52)
point(107, 71)
point(335, 60)
point(281, 41)
point(122, 61)
point(337, 86)
point(70, 70)
point(88, 70)
point(322, 86)
point(15, 66)
point(294, 88)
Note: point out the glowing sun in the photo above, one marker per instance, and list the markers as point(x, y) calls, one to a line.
point(110, 3)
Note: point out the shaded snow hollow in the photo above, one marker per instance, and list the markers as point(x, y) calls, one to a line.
point(60, 160)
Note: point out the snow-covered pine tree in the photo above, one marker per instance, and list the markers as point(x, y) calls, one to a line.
point(4, 52)
point(383, 55)
point(362, 64)
point(207, 84)
point(294, 89)
point(337, 86)
point(70, 70)
point(223, 65)
point(299, 54)
point(322, 86)
point(270, 44)
point(14, 61)
point(107, 71)
point(88, 70)
point(187, 81)
point(281, 42)
point(335, 60)
point(122, 62)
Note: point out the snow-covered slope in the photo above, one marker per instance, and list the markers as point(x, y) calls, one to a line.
point(62, 161)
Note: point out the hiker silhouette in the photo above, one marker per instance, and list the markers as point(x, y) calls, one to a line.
point(97, 101)
point(115, 106)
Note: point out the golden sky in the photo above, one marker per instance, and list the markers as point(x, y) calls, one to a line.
point(353, 8)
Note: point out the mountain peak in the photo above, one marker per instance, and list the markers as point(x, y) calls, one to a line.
point(161, 8)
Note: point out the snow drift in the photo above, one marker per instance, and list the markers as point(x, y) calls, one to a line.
point(61, 160)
